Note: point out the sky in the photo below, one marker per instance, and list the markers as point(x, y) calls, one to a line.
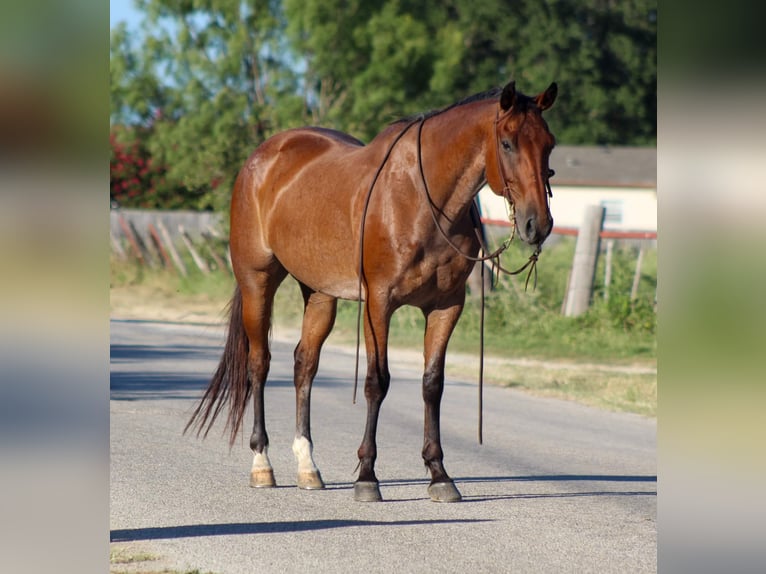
point(123, 10)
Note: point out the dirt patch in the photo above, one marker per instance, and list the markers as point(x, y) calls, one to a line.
point(154, 304)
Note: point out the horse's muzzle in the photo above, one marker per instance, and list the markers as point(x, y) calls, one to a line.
point(535, 230)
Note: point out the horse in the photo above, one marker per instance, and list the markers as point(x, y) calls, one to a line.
point(388, 223)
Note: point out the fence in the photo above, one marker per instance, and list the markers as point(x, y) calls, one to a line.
point(580, 282)
point(164, 238)
point(176, 239)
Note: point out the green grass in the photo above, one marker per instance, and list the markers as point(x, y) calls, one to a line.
point(529, 323)
point(614, 389)
point(519, 323)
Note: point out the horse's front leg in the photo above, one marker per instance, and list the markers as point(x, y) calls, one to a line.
point(440, 323)
point(377, 317)
point(318, 320)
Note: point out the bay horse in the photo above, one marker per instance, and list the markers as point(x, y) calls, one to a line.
point(389, 223)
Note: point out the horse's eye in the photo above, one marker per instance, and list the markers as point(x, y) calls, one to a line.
point(551, 173)
point(506, 145)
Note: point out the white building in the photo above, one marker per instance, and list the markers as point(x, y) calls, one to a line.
point(622, 179)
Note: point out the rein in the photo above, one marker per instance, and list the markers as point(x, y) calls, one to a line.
point(361, 242)
point(493, 256)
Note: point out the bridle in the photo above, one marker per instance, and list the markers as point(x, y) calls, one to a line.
point(494, 256)
point(501, 168)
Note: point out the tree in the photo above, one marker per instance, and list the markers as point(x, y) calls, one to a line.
point(603, 54)
point(367, 62)
point(205, 78)
point(209, 80)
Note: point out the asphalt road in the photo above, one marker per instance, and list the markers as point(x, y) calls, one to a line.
point(556, 487)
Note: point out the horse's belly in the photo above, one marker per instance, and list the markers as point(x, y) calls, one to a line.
point(338, 285)
point(341, 289)
point(319, 259)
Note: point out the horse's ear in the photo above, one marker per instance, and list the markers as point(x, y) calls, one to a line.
point(508, 96)
point(546, 99)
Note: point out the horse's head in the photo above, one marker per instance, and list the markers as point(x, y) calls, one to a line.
point(517, 160)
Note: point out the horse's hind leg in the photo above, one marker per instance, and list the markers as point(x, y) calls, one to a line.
point(258, 289)
point(318, 320)
point(439, 325)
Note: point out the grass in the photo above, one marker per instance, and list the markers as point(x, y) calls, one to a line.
point(530, 324)
point(615, 389)
point(617, 334)
point(124, 560)
point(125, 555)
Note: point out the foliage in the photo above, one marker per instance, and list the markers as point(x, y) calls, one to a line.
point(530, 323)
point(604, 57)
point(370, 61)
point(208, 80)
point(136, 178)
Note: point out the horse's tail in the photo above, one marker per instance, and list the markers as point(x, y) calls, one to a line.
point(229, 384)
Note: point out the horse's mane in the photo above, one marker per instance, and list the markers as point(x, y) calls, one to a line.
point(492, 94)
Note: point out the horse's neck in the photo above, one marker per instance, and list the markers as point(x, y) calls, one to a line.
point(459, 143)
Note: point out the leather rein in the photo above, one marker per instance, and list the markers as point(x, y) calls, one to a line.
point(494, 256)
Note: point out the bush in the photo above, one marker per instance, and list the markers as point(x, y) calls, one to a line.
point(137, 179)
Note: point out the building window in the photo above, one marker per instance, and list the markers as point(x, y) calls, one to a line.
point(613, 215)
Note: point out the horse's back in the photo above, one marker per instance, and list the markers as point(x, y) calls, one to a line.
point(291, 153)
point(294, 201)
point(304, 144)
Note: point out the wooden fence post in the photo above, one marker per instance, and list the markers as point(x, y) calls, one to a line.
point(155, 237)
point(126, 229)
point(637, 274)
point(584, 263)
point(201, 264)
point(608, 267)
point(145, 248)
point(179, 263)
point(228, 258)
point(209, 242)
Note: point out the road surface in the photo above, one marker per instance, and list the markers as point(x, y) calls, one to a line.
point(556, 486)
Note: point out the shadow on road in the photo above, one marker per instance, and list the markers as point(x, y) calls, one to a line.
point(532, 478)
point(195, 530)
point(571, 478)
point(574, 479)
point(152, 385)
point(153, 380)
point(563, 477)
point(127, 353)
point(522, 496)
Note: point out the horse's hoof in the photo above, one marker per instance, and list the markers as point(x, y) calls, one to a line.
point(444, 492)
point(310, 480)
point(262, 478)
point(367, 492)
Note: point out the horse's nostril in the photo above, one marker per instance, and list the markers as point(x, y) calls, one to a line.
point(530, 227)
